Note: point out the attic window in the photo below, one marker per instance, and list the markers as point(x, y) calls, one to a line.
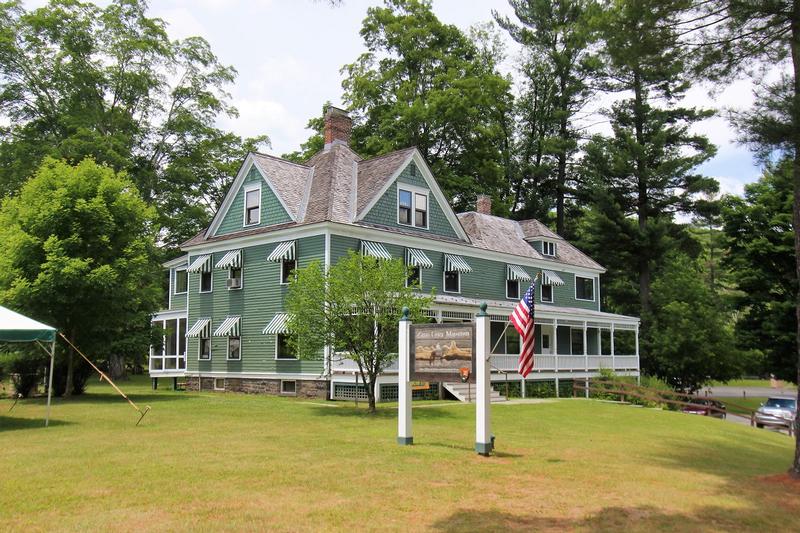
point(252, 208)
point(412, 207)
point(549, 248)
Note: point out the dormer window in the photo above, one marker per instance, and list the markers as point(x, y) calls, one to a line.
point(252, 206)
point(412, 207)
point(549, 248)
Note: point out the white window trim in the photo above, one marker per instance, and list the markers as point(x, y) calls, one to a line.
point(215, 384)
point(284, 393)
point(552, 295)
point(553, 244)
point(247, 189)
point(280, 273)
point(517, 297)
point(295, 358)
point(175, 280)
point(200, 345)
point(549, 342)
point(200, 283)
point(413, 189)
point(241, 284)
point(228, 353)
point(420, 269)
point(594, 289)
point(444, 289)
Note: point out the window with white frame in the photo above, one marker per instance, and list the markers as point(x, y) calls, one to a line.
point(287, 267)
point(288, 386)
point(549, 248)
point(206, 281)
point(512, 289)
point(412, 207)
point(234, 279)
point(219, 383)
point(414, 276)
point(234, 348)
point(204, 349)
point(584, 288)
point(547, 293)
point(283, 349)
point(452, 281)
point(252, 206)
point(181, 281)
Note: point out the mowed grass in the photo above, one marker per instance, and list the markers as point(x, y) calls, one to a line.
point(211, 461)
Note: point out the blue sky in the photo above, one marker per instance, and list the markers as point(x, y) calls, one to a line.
point(289, 52)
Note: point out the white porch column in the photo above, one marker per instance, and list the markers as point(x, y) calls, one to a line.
point(638, 366)
point(586, 359)
point(613, 359)
point(555, 344)
point(404, 432)
point(483, 420)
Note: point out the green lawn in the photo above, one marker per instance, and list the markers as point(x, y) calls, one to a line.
point(743, 406)
point(232, 462)
point(749, 383)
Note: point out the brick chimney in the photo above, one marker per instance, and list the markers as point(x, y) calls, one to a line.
point(337, 127)
point(484, 204)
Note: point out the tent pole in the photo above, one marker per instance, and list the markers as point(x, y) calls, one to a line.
point(50, 382)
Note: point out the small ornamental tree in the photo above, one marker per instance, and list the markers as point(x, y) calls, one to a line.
point(79, 254)
point(354, 307)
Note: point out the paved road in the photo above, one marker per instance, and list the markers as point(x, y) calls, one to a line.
point(750, 392)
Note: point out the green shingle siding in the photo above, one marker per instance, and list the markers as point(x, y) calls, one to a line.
point(384, 212)
point(177, 302)
point(272, 212)
point(260, 298)
point(486, 281)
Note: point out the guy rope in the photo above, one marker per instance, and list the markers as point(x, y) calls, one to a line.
point(103, 376)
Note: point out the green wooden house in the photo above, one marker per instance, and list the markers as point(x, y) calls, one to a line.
point(225, 320)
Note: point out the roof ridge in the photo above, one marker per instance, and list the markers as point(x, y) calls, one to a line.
point(282, 160)
point(387, 154)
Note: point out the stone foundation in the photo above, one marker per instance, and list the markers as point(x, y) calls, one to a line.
point(304, 388)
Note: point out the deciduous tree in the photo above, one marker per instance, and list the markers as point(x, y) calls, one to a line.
point(354, 308)
point(79, 254)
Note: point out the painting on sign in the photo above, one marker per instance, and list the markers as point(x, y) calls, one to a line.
point(440, 351)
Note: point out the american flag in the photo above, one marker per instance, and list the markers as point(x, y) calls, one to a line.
point(522, 318)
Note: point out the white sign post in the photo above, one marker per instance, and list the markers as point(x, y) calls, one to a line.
point(483, 419)
point(404, 433)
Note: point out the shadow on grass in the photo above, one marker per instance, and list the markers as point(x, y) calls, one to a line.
point(450, 446)
point(640, 518)
point(383, 413)
point(10, 423)
point(111, 397)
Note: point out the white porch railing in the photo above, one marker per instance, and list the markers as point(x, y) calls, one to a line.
point(541, 363)
point(167, 363)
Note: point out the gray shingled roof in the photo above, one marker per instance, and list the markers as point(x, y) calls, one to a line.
point(512, 237)
point(287, 178)
point(374, 173)
point(336, 184)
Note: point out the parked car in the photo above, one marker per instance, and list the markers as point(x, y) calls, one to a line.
point(705, 407)
point(777, 411)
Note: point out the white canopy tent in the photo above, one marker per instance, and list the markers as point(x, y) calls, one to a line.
point(15, 327)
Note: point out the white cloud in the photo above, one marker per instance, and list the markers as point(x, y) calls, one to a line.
point(264, 116)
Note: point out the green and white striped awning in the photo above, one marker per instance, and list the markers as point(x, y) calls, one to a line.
point(455, 263)
point(201, 328)
point(232, 259)
point(283, 252)
point(516, 272)
point(228, 328)
point(201, 263)
point(277, 324)
point(375, 249)
point(417, 258)
point(551, 278)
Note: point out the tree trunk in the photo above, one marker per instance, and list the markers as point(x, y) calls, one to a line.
point(795, 470)
point(116, 366)
point(70, 370)
point(642, 204)
point(371, 395)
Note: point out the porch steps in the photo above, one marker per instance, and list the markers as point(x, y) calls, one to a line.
point(466, 392)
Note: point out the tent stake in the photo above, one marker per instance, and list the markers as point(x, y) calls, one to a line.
point(105, 377)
